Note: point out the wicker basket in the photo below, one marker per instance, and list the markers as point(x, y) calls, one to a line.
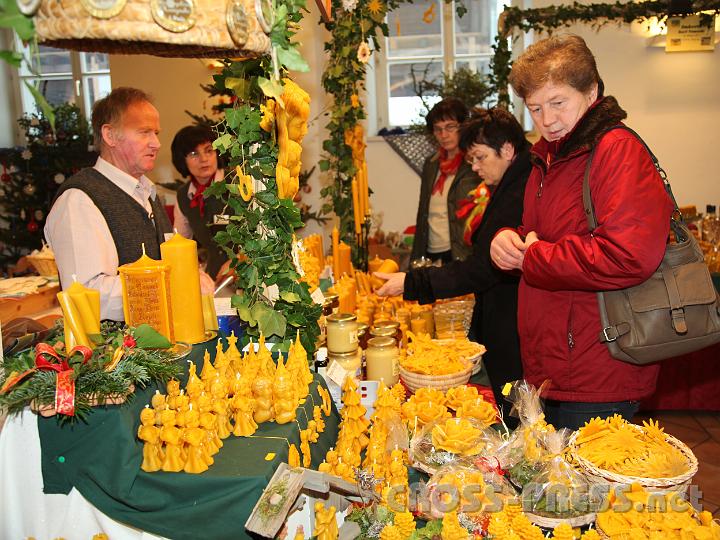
point(551, 523)
point(45, 266)
point(209, 31)
point(677, 484)
point(441, 382)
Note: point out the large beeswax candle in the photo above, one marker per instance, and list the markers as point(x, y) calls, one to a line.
point(187, 314)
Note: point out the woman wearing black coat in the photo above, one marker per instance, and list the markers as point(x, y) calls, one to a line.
point(496, 147)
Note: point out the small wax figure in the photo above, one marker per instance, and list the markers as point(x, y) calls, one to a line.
point(150, 434)
point(171, 436)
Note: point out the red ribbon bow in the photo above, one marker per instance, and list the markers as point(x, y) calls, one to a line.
point(484, 465)
point(48, 359)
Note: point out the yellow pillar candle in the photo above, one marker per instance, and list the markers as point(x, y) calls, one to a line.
point(84, 301)
point(187, 315)
point(146, 294)
point(344, 260)
point(374, 264)
point(72, 320)
point(209, 315)
point(366, 189)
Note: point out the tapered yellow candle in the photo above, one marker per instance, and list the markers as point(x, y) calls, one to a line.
point(345, 266)
point(335, 253)
point(187, 315)
point(82, 298)
point(357, 209)
point(366, 190)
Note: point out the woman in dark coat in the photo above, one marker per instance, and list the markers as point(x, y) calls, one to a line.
point(496, 147)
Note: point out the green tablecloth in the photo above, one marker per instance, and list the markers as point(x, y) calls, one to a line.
point(102, 458)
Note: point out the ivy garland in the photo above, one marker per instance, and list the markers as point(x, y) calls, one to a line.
point(354, 23)
point(259, 236)
point(550, 18)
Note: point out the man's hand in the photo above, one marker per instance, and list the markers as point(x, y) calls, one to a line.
point(530, 239)
point(394, 284)
point(507, 250)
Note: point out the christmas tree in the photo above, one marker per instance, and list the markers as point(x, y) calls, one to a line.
point(31, 175)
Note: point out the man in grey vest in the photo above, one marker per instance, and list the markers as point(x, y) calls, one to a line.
point(103, 215)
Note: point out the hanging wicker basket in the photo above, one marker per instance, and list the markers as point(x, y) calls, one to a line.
point(169, 28)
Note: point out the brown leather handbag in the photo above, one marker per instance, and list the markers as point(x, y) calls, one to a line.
point(675, 312)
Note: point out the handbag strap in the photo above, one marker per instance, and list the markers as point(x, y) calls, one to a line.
point(675, 220)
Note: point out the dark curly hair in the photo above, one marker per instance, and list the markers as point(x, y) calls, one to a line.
point(448, 109)
point(493, 128)
point(186, 140)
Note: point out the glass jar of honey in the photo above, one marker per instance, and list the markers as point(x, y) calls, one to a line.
point(381, 359)
point(342, 335)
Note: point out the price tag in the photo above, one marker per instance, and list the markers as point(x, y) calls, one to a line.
point(318, 296)
point(336, 373)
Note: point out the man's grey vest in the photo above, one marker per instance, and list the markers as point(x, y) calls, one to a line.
point(129, 223)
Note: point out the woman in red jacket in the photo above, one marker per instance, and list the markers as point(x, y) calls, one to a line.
point(562, 264)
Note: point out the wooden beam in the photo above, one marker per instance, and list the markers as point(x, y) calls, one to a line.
point(325, 7)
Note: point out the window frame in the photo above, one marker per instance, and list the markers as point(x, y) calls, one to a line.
point(379, 76)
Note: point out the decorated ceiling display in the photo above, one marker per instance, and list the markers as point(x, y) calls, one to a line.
point(172, 28)
point(354, 26)
point(551, 18)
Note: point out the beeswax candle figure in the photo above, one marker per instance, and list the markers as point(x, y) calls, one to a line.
point(150, 434)
point(194, 436)
point(194, 157)
point(102, 215)
point(220, 405)
point(172, 437)
point(284, 400)
point(245, 424)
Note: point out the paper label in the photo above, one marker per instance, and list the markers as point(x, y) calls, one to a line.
point(336, 373)
point(223, 307)
point(318, 296)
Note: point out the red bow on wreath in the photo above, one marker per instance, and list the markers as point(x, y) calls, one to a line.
point(47, 358)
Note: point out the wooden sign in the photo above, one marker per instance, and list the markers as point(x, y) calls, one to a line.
point(690, 33)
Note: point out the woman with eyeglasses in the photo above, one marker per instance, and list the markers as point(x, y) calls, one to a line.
point(498, 152)
point(446, 179)
point(194, 156)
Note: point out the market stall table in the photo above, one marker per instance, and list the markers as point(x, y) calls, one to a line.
point(96, 465)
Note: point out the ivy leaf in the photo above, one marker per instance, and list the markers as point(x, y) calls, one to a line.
point(272, 323)
point(42, 103)
point(272, 89)
point(223, 142)
point(289, 297)
point(11, 57)
point(240, 87)
point(11, 17)
point(292, 59)
point(267, 197)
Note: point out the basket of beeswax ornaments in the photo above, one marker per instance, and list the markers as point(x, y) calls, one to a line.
point(456, 441)
point(613, 450)
point(428, 364)
point(636, 513)
point(470, 350)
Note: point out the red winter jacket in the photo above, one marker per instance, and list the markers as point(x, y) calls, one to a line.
point(558, 316)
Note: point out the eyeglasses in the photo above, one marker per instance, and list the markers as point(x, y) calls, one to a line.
point(472, 160)
point(204, 152)
point(450, 128)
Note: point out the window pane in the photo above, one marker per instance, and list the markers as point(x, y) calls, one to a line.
point(475, 31)
point(475, 64)
point(405, 106)
point(415, 30)
point(95, 87)
point(55, 91)
point(92, 62)
point(48, 60)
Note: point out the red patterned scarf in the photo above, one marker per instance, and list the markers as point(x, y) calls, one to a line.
point(447, 167)
point(198, 199)
point(472, 210)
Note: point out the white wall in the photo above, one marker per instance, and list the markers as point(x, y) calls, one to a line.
point(8, 114)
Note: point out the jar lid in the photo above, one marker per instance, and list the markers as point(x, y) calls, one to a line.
point(330, 297)
point(362, 327)
point(341, 317)
point(387, 324)
point(383, 331)
point(342, 355)
point(381, 342)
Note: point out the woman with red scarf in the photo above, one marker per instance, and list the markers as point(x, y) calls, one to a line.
point(446, 180)
point(194, 156)
point(498, 152)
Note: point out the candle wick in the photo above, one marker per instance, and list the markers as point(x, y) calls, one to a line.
point(175, 229)
point(74, 276)
point(143, 248)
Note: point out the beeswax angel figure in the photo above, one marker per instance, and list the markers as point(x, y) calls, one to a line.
point(562, 264)
point(496, 149)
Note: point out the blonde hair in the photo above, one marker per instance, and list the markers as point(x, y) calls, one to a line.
point(563, 59)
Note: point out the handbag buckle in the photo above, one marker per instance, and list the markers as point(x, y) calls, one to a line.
point(610, 334)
